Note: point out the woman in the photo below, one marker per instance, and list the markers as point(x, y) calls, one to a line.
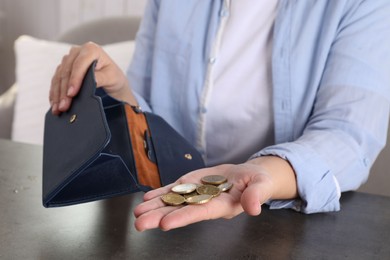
point(287, 99)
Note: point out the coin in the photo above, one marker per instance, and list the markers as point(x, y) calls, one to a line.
point(173, 199)
point(194, 193)
point(184, 188)
point(214, 179)
point(208, 190)
point(199, 199)
point(225, 186)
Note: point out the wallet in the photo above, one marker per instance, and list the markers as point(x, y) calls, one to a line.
point(102, 147)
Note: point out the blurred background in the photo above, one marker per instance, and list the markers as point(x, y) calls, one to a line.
point(47, 19)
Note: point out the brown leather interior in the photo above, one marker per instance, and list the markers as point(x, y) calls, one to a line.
point(146, 169)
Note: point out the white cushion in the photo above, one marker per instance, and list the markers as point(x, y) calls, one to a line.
point(7, 102)
point(36, 61)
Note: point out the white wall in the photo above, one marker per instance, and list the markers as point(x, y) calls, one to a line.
point(75, 12)
point(47, 19)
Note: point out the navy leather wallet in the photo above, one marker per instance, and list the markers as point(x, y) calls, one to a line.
point(102, 147)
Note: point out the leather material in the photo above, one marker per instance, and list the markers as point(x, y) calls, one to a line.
point(147, 170)
point(174, 154)
point(88, 152)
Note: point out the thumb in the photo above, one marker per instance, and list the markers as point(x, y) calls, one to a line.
point(257, 192)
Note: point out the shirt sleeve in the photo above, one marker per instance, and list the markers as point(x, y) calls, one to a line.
point(348, 124)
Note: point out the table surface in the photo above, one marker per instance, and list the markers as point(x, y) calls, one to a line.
point(104, 229)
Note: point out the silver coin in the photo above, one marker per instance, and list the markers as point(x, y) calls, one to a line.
point(225, 186)
point(184, 188)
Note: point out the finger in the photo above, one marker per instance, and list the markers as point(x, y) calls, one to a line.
point(88, 53)
point(192, 177)
point(152, 219)
point(152, 196)
point(148, 206)
point(152, 199)
point(54, 93)
point(257, 192)
point(221, 206)
point(159, 191)
point(66, 67)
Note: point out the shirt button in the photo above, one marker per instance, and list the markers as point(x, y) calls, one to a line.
point(224, 13)
point(203, 110)
point(212, 60)
point(366, 162)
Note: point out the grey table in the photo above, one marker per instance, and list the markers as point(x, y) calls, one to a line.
point(104, 230)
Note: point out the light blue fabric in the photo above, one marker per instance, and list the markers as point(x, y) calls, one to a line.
point(331, 74)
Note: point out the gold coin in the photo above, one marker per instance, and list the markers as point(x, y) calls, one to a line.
point(214, 179)
point(199, 199)
point(184, 188)
point(208, 190)
point(173, 199)
point(225, 186)
point(194, 193)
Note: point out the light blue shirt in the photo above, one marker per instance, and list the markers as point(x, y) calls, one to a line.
point(331, 84)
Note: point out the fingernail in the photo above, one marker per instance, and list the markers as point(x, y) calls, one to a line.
point(70, 91)
point(62, 104)
point(54, 108)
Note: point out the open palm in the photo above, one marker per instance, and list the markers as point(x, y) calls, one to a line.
point(251, 187)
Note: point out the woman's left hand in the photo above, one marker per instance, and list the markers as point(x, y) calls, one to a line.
point(252, 186)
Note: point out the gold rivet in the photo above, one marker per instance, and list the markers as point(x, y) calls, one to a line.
point(188, 156)
point(72, 118)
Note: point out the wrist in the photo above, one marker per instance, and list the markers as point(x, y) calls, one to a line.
point(281, 174)
point(125, 94)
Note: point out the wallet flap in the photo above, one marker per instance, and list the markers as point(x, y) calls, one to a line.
point(174, 154)
point(73, 139)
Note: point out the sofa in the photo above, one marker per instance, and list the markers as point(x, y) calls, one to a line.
point(23, 105)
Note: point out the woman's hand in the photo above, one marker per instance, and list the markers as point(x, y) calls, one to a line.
point(254, 183)
point(69, 75)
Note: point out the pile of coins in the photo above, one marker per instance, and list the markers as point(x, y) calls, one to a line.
point(191, 193)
